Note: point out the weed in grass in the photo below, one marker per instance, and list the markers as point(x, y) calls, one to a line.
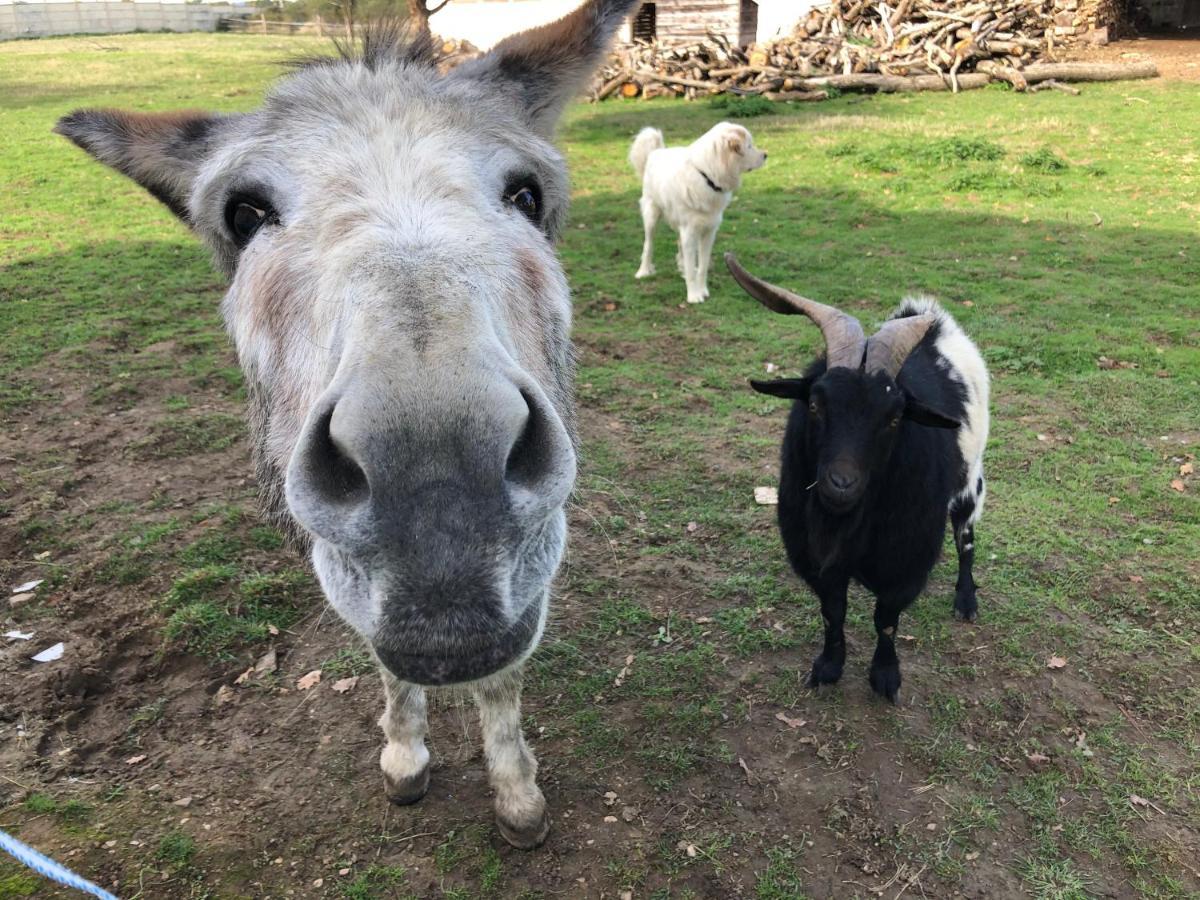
point(212, 612)
point(1044, 160)
point(347, 662)
point(781, 879)
point(746, 107)
point(16, 882)
point(181, 436)
point(148, 715)
point(958, 150)
point(1053, 879)
point(377, 881)
point(176, 849)
point(41, 803)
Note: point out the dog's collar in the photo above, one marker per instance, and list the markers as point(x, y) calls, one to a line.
point(712, 184)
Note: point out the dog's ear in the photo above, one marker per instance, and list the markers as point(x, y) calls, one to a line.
point(735, 144)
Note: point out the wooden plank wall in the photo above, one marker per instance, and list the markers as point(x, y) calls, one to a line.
point(682, 21)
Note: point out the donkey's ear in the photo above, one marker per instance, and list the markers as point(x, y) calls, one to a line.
point(160, 151)
point(790, 388)
point(546, 67)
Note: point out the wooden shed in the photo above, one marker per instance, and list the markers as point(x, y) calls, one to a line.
point(741, 22)
point(672, 21)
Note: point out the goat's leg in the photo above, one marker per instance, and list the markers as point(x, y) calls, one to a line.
point(884, 673)
point(964, 511)
point(512, 769)
point(650, 214)
point(405, 759)
point(827, 668)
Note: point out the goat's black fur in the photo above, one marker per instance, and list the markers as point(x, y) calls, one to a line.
point(890, 538)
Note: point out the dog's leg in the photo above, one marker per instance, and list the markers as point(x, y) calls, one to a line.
point(649, 223)
point(679, 253)
point(704, 257)
point(689, 239)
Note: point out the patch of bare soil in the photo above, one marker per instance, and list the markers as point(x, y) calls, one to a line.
point(280, 788)
point(1177, 58)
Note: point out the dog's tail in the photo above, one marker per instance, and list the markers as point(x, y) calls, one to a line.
point(647, 141)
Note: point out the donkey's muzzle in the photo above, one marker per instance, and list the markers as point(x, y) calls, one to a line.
point(468, 655)
point(467, 468)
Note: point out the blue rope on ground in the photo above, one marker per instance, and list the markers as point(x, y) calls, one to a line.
point(44, 865)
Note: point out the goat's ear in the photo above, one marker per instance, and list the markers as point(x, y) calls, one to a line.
point(160, 151)
point(789, 388)
point(546, 67)
point(918, 412)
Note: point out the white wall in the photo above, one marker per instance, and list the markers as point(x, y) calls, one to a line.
point(106, 17)
point(777, 18)
point(485, 22)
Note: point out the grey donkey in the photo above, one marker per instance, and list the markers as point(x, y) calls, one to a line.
point(404, 326)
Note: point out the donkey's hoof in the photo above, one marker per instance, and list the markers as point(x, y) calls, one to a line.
point(407, 791)
point(525, 837)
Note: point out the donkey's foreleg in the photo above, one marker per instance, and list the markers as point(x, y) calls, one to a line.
point(405, 759)
point(512, 770)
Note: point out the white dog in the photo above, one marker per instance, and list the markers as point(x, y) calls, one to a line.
point(691, 186)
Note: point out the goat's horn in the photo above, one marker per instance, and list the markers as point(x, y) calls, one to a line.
point(889, 347)
point(844, 340)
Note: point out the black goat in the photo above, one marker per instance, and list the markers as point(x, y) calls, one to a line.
point(890, 432)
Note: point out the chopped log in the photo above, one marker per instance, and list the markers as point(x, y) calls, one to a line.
point(610, 87)
point(1084, 71)
point(890, 84)
point(630, 89)
point(1003, 73)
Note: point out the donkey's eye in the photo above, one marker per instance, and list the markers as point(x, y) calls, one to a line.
point(527, 200)
point(244, 215)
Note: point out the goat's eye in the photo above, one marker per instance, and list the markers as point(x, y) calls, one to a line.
point(895, 422)
point(812, 407)
point(527, 201)
point(245, 215)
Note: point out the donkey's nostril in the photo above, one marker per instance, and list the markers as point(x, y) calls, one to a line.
point(528, 457)
point(332, 472)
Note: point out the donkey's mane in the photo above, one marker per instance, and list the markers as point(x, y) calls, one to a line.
point(382, 42)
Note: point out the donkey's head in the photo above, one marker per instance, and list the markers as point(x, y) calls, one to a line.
point(855, 406)
point(402, 320)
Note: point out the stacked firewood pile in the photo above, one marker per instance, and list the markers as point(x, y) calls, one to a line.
point(867, 45)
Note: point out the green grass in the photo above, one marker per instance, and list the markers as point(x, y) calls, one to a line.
point(214, 609)
point(1056, 229)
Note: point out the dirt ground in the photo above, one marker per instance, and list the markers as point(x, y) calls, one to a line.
point(280, 789)
point(1177, 58)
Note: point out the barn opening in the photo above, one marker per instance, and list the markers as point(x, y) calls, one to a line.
point(645, 23)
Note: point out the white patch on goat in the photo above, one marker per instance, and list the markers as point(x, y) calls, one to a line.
point(965, 364)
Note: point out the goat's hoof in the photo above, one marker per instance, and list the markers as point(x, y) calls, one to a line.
point(965, 610)
point(885, 680)
point(825, 671)
point(525, 836)
point(407, 791)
